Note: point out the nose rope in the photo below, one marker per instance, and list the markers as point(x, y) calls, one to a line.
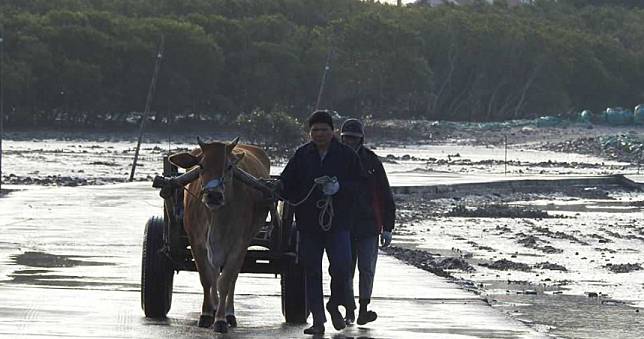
point(198, 198)
point(210, 184)
point(193, 195)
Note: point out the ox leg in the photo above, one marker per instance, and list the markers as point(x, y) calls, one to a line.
point(225, 285)
point(230, 302)
point(208, 278)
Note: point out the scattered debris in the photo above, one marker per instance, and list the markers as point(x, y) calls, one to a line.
point(69, 181)
point(550, 266)
point(426, 261)
point(559, 235)
point(623, 268)
point(505, 265)
point(498, 211)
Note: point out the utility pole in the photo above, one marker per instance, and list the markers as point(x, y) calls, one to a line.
point(327, 67)
point(148, 101)
point(639, 159)
point(1, 98)
point(505, 159)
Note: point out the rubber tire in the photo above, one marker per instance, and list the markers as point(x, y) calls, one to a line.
point(294, 304)
point(157, 272)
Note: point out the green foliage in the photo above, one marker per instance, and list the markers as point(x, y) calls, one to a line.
point(276, 128)
point(77, 60)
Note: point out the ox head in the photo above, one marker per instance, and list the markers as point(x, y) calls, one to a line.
point(215, 161)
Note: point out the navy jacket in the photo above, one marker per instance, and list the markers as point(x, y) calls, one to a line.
point(375, 208)
point(305, 165)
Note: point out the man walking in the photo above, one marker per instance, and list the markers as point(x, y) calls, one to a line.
point(323, 175)
point(375, 215)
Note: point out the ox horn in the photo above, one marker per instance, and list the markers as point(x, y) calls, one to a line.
point(201, 143)
point(234, 143)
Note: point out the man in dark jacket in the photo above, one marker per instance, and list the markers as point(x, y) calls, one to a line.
point(374, 215)
point(323, 175)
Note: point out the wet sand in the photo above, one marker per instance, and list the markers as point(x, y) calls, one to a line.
point(575, 274)
point(70, 265)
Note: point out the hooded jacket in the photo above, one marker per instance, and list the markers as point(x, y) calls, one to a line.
point(375, 210)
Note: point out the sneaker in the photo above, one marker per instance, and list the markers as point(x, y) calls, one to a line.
point(315, 329)
point(336, 316)
point(366, 317)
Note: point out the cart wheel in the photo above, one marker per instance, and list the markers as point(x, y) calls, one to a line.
point(156, 272)
point(294, 304)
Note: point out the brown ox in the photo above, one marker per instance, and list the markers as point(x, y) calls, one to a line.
point(221, 217)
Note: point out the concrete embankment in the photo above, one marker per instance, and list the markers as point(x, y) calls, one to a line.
point(445, 187)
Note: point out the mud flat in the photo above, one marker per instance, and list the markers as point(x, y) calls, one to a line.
point(566, 264)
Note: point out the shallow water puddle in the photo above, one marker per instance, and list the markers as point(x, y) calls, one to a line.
point(40, 259)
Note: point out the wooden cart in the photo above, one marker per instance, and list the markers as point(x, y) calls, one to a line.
point(166, 249)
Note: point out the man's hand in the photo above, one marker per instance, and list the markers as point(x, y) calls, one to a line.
point(331, 188)
point(385, 239)
point(330, 185)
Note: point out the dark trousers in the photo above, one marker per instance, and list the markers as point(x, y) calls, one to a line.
point(364, 254)
point(338, 250)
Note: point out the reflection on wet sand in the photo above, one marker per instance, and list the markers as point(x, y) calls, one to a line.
point(58, 280)
point(57, 277)
point(594, 317)
point(40, 259)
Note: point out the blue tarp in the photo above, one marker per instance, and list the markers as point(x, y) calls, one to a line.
point(586, 116)
point(548, 121)
point(617, 116)
point(638, 115)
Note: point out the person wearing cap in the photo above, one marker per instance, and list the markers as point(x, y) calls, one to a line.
point(374, 216)
point(309, 178)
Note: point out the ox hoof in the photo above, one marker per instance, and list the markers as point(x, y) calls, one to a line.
point(206, 321)
point(232, 321)
point(221, 326)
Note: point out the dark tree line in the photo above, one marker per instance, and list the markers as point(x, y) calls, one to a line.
point(83, 61)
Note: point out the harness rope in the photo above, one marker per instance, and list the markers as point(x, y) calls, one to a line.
point(325, 205)
point(197, 197)
point(193, 195)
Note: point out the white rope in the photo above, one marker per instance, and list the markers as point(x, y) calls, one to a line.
point(325, 205)
point(299, 202)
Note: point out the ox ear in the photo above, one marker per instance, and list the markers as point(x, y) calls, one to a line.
point(235, 158)
point(184, 160)
point(201, 143)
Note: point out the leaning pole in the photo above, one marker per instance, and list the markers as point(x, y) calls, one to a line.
point(1, 98)
point(148, 101)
